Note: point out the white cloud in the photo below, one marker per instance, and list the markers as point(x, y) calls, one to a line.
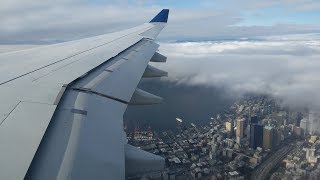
point(49, 21)
point(288, 69)
point(10, 48)
point(44, 21)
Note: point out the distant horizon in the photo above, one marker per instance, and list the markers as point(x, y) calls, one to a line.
point(41, 22)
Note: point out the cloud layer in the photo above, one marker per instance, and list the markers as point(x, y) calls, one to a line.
point(44, 21)
point(285, 67)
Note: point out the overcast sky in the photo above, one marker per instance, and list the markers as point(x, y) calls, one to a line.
point(265, 46)
point(46, 21)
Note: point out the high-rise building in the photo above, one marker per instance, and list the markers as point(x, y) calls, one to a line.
point(304, 125)
point(248, 131)
point(229, 129)
point(298, 118)
point(229, 126)
point(254, 120)
point(297, 131)
point(310, 155)
point(268, 137)
point(277, 137)
point(240, 130)
point(238, 140)
point(313, 118)
point(256, 136)
point(245, 125)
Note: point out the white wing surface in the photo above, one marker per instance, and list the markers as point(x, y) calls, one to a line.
point(61, 114)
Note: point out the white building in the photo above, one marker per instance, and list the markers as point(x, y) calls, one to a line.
point(304, 125)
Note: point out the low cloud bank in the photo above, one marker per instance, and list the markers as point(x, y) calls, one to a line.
point(285, 67)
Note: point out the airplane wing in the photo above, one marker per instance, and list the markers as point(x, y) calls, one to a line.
point(62, 106)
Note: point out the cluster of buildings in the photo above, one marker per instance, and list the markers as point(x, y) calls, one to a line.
point(255, 134)
point(232, 145)
point(302, 163)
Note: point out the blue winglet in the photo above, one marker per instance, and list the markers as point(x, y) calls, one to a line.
point(161, 17)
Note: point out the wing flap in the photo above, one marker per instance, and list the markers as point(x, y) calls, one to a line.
point(115, 85)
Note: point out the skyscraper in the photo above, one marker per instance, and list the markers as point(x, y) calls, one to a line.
point(304, 125)
point(229, 129)
point(277, 137)
point(254, 120)
point(240, 130)
point(256, 136)
point(268, 137)
point(245, 125)
point(228, 126)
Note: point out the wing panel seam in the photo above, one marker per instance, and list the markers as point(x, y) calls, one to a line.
point(89, 91)
point(10, 113)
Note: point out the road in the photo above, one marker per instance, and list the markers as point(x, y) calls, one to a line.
point(265, 167)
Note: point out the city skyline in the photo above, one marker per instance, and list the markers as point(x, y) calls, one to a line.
point(275, 147)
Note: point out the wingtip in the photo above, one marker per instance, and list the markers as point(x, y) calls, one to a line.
point(162, 16)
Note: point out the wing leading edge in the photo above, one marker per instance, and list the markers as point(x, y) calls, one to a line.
point(63, 116)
